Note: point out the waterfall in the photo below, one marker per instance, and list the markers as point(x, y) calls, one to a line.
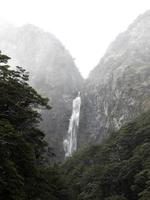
point(70, 143)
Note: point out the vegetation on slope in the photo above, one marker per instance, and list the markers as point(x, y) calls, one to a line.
point(119, 169)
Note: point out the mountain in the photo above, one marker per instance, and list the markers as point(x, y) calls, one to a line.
point(52, 71)
point(118, 89)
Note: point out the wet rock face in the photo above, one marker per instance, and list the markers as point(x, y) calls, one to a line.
point(53, 74)
point(118, 89)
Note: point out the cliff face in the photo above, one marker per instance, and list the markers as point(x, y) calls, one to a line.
point(118, 89)
point(53, 74)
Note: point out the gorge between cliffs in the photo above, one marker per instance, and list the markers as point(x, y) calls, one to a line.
point(63, 137)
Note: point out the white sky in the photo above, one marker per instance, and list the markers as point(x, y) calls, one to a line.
point(85, 27)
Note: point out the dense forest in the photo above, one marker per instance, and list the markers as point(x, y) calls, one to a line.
point(117, 169)
point(24, 170)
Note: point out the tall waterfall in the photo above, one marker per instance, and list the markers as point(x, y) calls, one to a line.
point(70, 143)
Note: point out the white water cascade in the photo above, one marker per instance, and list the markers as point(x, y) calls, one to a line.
point(70, 143)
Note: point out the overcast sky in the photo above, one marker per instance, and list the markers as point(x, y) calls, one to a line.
point(85, 27)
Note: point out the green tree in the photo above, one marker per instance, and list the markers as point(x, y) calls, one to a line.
point(22, 144)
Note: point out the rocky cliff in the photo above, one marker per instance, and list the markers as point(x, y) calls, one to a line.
point(118, 89)
point(53, 74)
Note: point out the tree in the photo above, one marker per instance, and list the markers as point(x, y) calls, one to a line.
point(22, 144)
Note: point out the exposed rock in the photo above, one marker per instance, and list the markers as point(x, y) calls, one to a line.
point(118, 89)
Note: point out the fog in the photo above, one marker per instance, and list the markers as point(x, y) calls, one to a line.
point(85, 27)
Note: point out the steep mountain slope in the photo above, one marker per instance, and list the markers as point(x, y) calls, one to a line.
point(53, 74)
point(118, 89)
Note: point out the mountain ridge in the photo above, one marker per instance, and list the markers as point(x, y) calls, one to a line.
point(117, 89)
